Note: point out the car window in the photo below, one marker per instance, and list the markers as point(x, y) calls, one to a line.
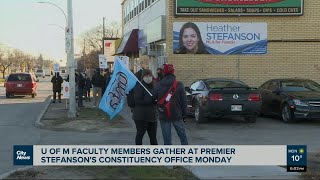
point(265, 85)
point(300, 86)
point(19, 77)
point(225, 84)
point(39, 71)
point(63, 71)
point(201, 86)
point(195, 85)
point(273, 86)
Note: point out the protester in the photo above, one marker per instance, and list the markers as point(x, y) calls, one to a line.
point(144, 113)
point(81, 86)
point(107, 78)
point(56, 86)
point(159, 75)
point(130, 95)
point(172, 105)
point(98, 83)
point(87, 88)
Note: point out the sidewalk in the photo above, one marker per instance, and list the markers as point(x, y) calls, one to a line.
point(55, 118)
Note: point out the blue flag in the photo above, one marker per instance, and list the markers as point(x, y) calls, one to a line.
point(122, 81)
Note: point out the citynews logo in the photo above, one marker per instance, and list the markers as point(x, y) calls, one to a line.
point(23, 155)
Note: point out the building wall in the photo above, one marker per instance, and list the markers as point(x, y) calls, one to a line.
point(298, 58)
point(140, 21)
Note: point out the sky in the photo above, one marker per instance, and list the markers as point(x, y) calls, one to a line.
point(28, 25)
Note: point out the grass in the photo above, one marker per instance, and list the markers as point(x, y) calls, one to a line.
point(109, 172)
point(139, 172)
point(313, 167)
point(26, 174)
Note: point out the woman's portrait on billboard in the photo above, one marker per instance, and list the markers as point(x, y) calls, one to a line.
point(190, 41)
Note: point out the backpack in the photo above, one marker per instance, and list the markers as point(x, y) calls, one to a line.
point(165, 102)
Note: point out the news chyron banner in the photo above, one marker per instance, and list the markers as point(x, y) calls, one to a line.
point(292, 156)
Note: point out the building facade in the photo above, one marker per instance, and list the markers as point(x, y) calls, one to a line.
point(145, 19)
point(293, 41)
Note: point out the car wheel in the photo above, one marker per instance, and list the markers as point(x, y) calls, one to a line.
point(199, 115)
point(250, 119)
point(287, 114)
point(33, 95)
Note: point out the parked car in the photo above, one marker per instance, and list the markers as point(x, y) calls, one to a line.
point(40, 73)
point(210, 98)
point(292, 99)
point(21, 84)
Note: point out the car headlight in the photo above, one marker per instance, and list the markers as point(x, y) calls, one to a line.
point(299, 102)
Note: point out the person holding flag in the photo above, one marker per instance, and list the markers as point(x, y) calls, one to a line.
point(122, 81)
point(144, 112)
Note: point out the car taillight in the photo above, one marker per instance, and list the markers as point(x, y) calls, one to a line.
point(254, 97)
point(216, 97)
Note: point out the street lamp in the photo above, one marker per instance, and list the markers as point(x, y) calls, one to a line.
point(65, 16)
point(70, 56)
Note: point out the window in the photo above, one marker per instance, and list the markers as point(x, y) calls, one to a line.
point(273, 86)
point(216, 84)
point(19, 77)
point(195, 85)
point(300, 85)
point(201, 86)
point(265, 85)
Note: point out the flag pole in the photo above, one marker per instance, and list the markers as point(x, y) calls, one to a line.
point(136, 78)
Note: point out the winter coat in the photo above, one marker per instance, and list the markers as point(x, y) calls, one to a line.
point(145, 105)
point(178, 106)
point(56, 83)
point(81, 81)
point(98, 81)
point(88, 84)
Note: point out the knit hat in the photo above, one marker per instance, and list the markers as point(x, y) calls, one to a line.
point(168, 69)
point(145, 72)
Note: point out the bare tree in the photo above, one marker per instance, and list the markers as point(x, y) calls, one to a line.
point(93, 42)
point(5, 61)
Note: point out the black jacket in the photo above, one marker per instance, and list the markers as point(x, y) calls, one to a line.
point(178, 100)
point(56, 83)
point(98, 80)
point(81, 81)
point(145, 105)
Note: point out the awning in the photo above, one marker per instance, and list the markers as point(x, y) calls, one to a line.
point(129, 43)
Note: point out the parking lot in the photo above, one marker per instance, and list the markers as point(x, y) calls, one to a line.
point(266, 131)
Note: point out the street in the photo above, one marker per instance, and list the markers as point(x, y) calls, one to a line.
point(18, 115)
point(266, 131)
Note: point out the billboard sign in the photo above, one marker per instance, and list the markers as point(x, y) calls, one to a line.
point(103, 62)
point(109, 49)
point(238, 7)
point(222, 38)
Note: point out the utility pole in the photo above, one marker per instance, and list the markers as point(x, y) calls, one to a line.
point(103, 35)
point(84, 54)
point(70, 58)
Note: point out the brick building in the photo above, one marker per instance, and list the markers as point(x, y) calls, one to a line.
point(293, 48)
